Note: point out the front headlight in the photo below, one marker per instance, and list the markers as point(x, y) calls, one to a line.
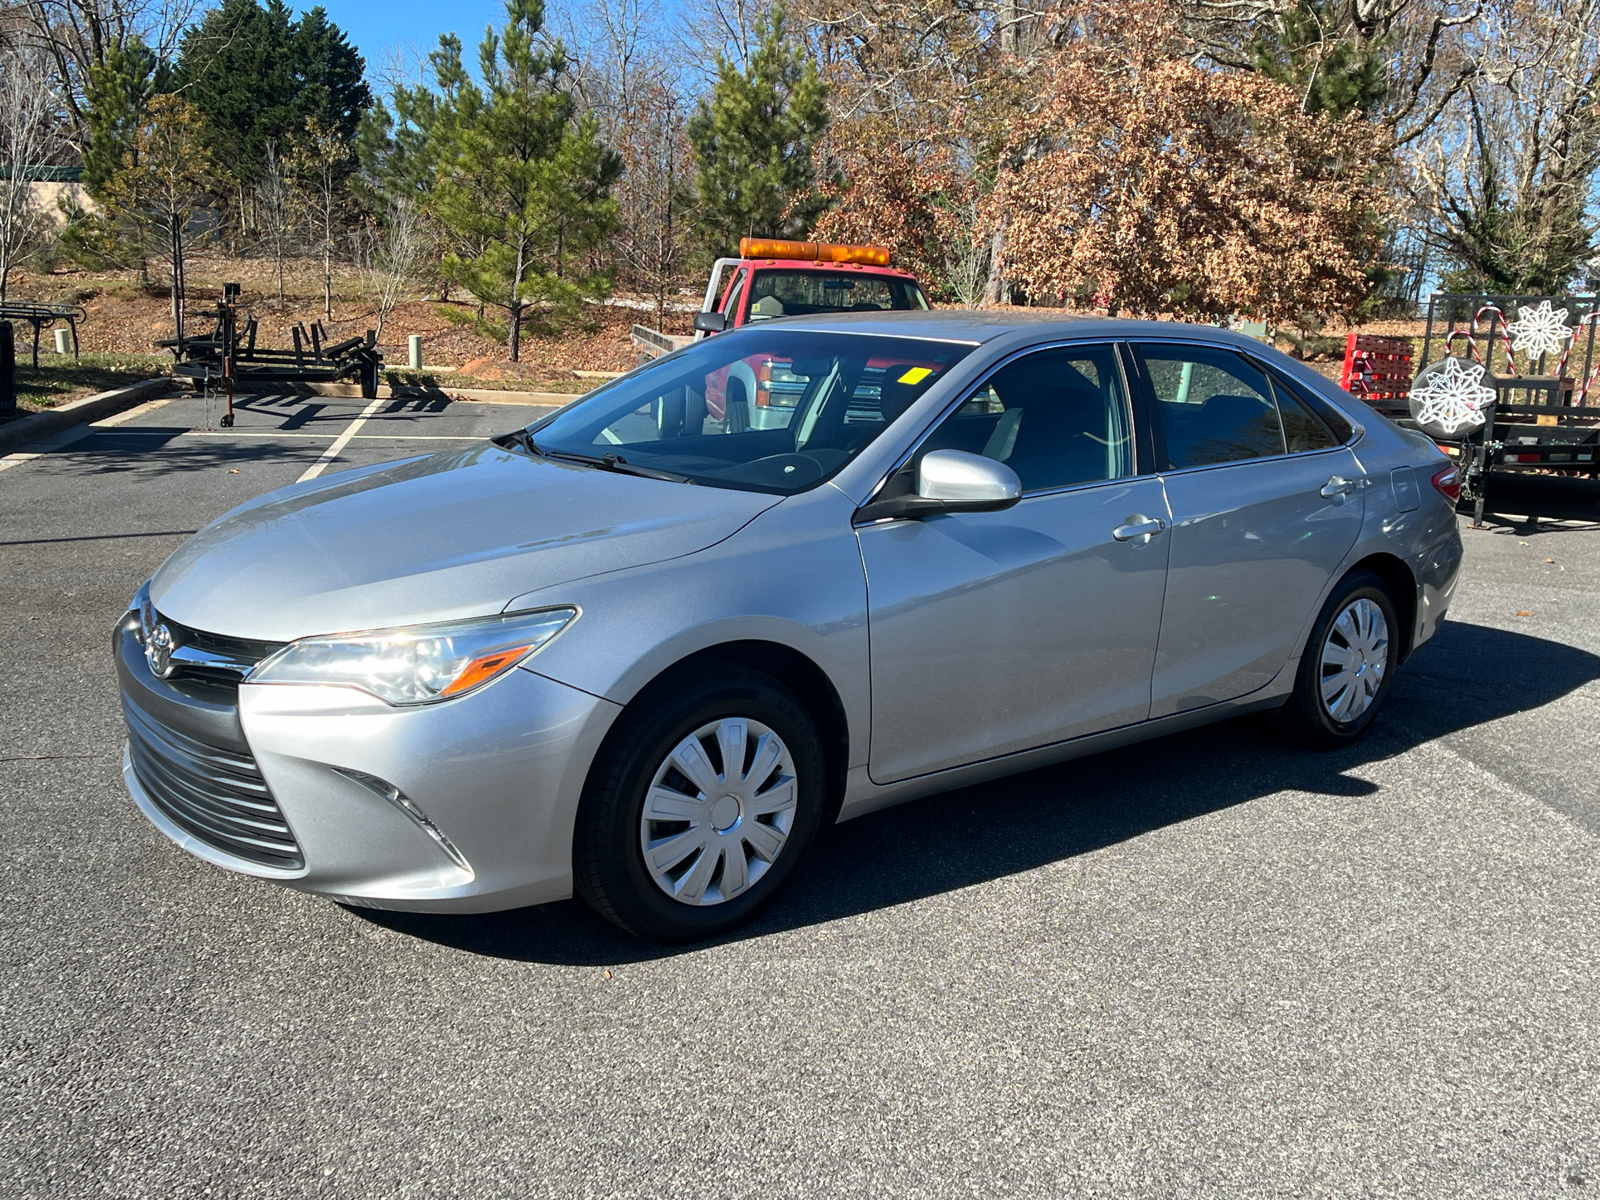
point(420, 663)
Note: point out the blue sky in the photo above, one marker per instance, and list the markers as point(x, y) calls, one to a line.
point(380, 27)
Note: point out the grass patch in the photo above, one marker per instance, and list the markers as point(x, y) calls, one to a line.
point(498, 331)
point(58, 380)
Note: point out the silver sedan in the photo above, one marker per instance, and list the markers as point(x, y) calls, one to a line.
point(643, 649)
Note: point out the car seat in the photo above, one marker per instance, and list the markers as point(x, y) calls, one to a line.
point(1227, 428)
point(767, 307)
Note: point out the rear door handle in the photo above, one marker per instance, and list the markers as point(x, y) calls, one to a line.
point(1138, 529)
point(1337, 486)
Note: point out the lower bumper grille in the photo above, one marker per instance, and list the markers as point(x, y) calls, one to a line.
point(215, 794)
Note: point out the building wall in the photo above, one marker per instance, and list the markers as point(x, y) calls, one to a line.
point(47, 194)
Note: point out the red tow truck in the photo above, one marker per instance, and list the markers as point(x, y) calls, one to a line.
point(773, 278)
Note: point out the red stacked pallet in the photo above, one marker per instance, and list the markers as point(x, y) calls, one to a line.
point(1378, 369)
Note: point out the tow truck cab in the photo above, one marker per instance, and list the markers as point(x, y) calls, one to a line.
point(773, 279)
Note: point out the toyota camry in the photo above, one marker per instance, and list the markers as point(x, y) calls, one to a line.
point(643, 649)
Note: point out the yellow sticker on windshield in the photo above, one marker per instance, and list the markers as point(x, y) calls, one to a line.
point(915, 375)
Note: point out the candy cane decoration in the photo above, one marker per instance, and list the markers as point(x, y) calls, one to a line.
point(1505, 329)
point(1588, 318)
point(1472, 345)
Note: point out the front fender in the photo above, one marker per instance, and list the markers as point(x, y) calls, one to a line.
point(792, 577)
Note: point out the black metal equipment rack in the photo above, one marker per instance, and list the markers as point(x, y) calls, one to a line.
point(229, 356)
point(1546, 415)
point(42, 316)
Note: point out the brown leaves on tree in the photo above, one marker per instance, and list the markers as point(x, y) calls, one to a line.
point(1099, 167)
point(1149, 184)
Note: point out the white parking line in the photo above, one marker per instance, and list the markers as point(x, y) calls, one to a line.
point(332, 452)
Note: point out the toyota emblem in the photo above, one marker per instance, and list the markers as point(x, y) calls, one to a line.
point(158, 649)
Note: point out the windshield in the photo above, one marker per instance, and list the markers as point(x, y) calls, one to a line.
point(801, 293)
point(767, 409)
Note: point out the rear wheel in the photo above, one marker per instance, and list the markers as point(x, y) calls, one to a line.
point(700, 806)
point(1347, 666)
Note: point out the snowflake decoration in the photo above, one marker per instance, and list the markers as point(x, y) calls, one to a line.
point(1453, 397)
point(1540, 330)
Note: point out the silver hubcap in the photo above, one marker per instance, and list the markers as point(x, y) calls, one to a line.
point(718, 812)
point(1354, 659)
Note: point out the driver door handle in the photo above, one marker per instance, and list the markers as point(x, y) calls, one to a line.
point(1138, 529)
point(1337, 486)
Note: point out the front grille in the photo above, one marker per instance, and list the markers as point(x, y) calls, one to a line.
point(214, 793)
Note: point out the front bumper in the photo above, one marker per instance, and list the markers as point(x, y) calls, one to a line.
point(463, 806)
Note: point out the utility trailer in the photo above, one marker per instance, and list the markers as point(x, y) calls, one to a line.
point(228, 357)
point(1503, 384)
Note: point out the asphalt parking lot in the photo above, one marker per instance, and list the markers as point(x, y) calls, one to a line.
point(1209, 966)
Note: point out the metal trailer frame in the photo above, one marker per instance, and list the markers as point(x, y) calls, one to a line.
point(1546, 416)
point(229, 356)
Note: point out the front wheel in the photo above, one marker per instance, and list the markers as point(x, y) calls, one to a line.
point(700, 805)
point(1348, 663)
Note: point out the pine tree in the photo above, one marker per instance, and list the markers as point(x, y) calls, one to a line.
point(521, 174)
point(754, 139)
point(257, 76)
point(1334, 62)
point(115, 98)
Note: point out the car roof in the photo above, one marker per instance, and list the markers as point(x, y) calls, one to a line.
point(977, 326)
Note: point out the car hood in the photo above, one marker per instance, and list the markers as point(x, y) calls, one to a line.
point(431, 539)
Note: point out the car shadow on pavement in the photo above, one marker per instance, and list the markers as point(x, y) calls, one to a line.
point(979, 833)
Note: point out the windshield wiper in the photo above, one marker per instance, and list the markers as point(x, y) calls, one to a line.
point(607, 462)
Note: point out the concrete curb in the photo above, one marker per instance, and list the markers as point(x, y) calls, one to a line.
point(79, 412)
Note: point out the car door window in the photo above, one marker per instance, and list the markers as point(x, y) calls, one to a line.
point(1302, 428)
point(730, 306)
point(1214, 406)
point(1056, 417)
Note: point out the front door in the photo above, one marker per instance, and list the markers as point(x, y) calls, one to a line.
point(1265, 507)
point(997, 632)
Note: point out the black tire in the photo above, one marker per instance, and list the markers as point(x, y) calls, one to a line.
point(1305, 718)
point(369, 381)
point(609, 868)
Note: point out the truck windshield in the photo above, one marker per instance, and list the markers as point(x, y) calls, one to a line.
point(766, 409)
point(801, 293)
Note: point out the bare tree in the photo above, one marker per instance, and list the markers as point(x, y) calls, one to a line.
point(322, 161)
point(166, 175)
point(30, 135)
point(391, 254)
point(75, 36)
point(654, 200)
point(276, 204)
point(1509, 174)
point(712, 26)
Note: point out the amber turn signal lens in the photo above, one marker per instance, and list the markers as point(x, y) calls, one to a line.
point(482, 668)
point(873, 256)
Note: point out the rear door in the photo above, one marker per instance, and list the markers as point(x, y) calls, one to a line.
point(1265, 506)
point(1001, 631)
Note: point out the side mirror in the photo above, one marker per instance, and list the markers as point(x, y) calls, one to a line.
point(945, 481)
point(962, 482)
point(710, 322)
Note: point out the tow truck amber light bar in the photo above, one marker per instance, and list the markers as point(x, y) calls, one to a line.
point(873, 256)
